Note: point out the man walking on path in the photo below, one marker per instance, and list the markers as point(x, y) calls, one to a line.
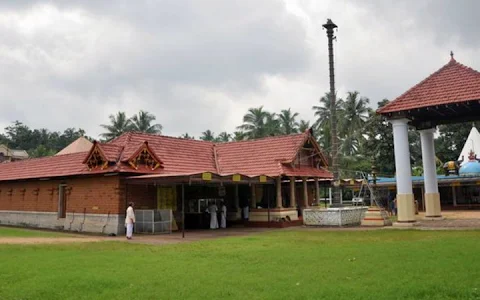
point(130, 220)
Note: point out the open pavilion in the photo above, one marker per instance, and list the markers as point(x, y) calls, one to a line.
point(450, 95)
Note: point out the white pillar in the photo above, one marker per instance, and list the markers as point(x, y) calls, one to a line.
point(432, 197)
point(405, 205)
point(330, 196)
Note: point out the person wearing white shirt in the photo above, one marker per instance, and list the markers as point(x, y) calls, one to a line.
point(223, 215)
point(212, 210)
point(130, 220)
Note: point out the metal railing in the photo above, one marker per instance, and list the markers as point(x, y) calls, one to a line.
point(153, 221)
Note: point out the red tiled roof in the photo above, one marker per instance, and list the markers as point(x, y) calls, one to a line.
point(178, 156)
point(306, 171)
point(52, 166)
point(258, 157)
point(453, 83)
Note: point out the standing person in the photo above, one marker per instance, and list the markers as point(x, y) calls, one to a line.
point(245, 212)
point(212, 210)
point(223, 215)
point(130, 220)
point(394, 211)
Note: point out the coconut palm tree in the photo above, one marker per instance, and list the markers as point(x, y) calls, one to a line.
point(187, 136)
point(323, 111)
point(224, 137)
point(239, 136)
point(287, 121)
point(208, 135)
point(254, 122)
point(355, 113)
point(303, 125)
point(119, 124)
point(143, 122)
point(272, 125)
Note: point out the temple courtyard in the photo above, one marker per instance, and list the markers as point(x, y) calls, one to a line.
point(245, 263)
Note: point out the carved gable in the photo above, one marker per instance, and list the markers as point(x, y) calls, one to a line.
point(144, 157)
point(96, 159)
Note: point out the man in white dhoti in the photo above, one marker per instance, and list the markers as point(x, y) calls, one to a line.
point(130, 220)
point(212, 210)
point(245, 212)
point(223, 215)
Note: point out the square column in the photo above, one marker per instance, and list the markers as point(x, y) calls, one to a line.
point(317, 191)
point(405, 204)
point(253, 200)
point(305, 192)
point(293, 203)
point(237, 199)
point(279, 192)
point(432, 197)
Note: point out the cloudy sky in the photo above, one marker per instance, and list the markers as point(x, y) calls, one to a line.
point(200, 64)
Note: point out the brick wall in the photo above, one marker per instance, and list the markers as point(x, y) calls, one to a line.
point(144, 196)
point(98, 195)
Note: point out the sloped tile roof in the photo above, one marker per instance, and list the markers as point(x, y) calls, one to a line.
point(453, 83)
point(258, 157)
point(178, 156)
point(52, 166)
point(306, 171)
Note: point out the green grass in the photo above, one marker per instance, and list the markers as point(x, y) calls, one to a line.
point(20, 232)
point(383, 264)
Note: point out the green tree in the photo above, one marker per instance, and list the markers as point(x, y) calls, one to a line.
point(119, 124)
point(239, 136)
point(41, 151)
point(142, 122)
point(323, 122)
point(223, 137)
point(451, 139)
point(272, 125)
point(208, 135)
point(287, 121)
point(254, 123)
point(186, 136)
point(354, 115)
point(303, 125)
point(378, 145)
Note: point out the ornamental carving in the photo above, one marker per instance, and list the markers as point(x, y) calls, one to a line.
point(145, 158)
point(96, 160)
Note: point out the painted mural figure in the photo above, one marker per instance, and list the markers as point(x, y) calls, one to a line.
point(130, 220)
point(212, 210)
point(223, 215)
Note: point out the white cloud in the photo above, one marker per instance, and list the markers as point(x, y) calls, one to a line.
point(201, 65)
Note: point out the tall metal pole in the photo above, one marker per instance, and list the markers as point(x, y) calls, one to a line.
point(330, 26)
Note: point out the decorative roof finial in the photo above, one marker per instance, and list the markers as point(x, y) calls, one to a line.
point(451, 54)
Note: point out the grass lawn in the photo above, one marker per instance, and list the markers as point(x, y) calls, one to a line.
point(384, 264)
point(20, 232)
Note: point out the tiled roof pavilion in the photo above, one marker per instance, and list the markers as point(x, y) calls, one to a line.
point(147, 154)
point(451, 94)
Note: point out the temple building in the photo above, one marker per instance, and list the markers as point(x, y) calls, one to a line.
point(9, 155)
point(276, 177)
